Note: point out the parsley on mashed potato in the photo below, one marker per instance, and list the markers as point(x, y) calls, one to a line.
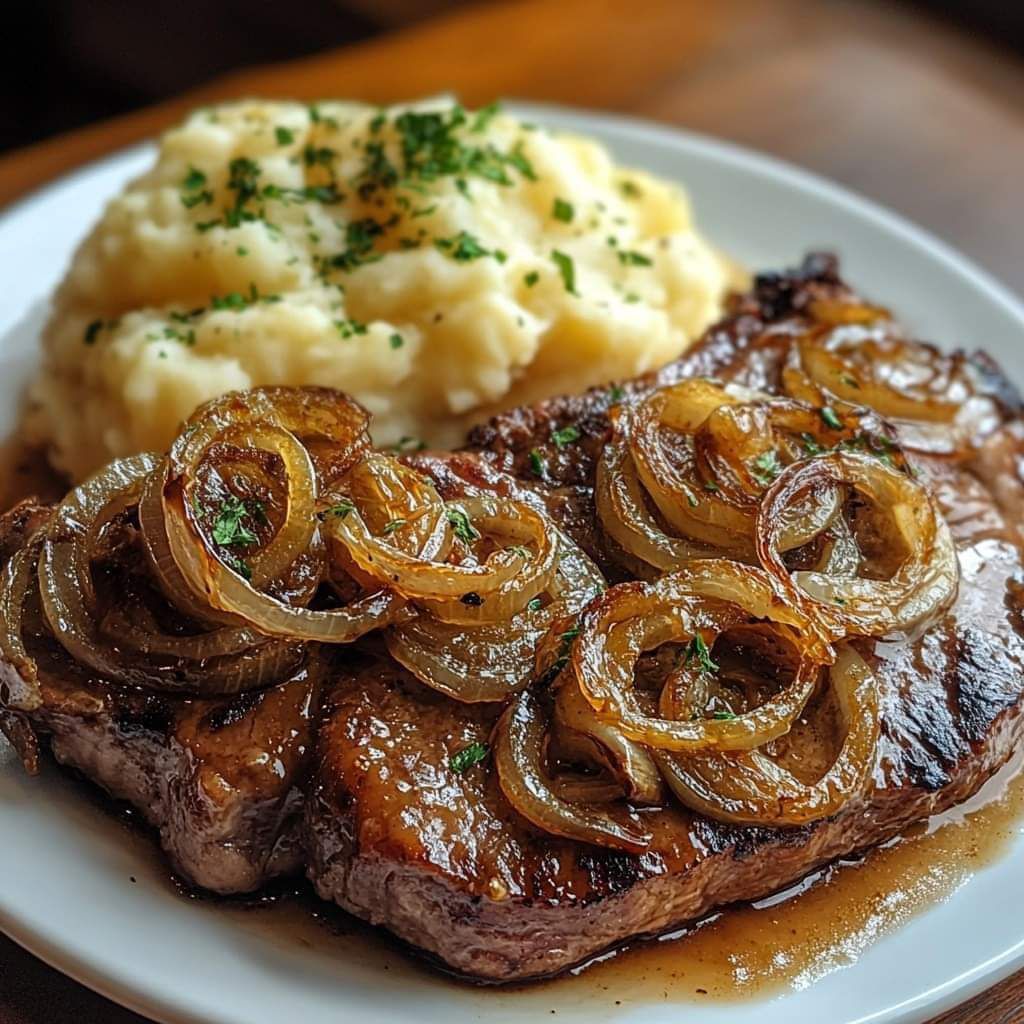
point(438, 264)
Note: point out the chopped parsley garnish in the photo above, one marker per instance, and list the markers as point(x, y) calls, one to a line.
point(239, 565)
point(228, 528)
point(396, 341)
point(830, 419)
point(462, 760)
point(629, 258)
point(359, 237)
point(484, 116)
point(537, 463)
point(463, 247)
point(349, 328)
point(520, 550)
point(236, 301)
point(92, 332)
point(567, 269)
point(723, 716)
point(243, 180)
point(766, 467)
point(462, 526)
point(563, 211)
point(339, 510)
point(565, 435)
point(697, 650)
point(711, 486)
point(531, 278)
point(193, 190)
point(630, 189)
point(810, 445)
point(534, 604)
point(284, 136)
point(562, 659)
point(850, 381)
point(517, 158)
point(616, 394)
point(394, 524)
point(409, 444)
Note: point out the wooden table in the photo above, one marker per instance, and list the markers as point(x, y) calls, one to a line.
point(902, 108)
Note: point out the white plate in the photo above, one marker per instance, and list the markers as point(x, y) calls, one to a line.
point(65, 866)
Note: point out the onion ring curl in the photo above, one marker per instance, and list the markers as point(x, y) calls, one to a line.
point(494, 661)
point(926, 575)
point(489, 587)
point(934, 398)
point(709, 598)
point(220, 662)
point(705, 453)
point(751, 788)
point(519, 742)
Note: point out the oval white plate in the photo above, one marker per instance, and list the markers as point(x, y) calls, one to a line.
point(65, 867)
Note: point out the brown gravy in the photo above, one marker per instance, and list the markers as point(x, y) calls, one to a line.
point(786, 942)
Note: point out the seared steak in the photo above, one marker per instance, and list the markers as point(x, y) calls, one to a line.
point(393, 834)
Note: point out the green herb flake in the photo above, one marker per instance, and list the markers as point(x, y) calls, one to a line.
point(462, 526)
point(723, 716)
point(629, 258)
point(396, 341)
point(538, 463)
point(393, 525)
point(534, 604)
point(284, 136)
point(830, 419)
point(350, 328)
point(531, 278)
point(766, 467)
point(462, 760)
point(228, 528)
point(193, 190)
point(565, 435)
point(810, 445)
point(850, 381)
point(711, 486)
point(409, 444)
point(697, 650)
point(339, 510)
point(630, 189)
point(563, 211)
point(484, 116)
point(462, 247)
point(567, 270)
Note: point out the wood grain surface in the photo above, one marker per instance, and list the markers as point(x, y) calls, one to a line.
point(909, 111)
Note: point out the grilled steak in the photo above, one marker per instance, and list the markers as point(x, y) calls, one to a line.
point(392, 833)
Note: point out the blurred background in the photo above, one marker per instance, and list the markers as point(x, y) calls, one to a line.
point(70, 62)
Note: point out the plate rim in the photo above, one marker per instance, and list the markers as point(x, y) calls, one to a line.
point(95, 975)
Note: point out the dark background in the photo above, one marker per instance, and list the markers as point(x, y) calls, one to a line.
point(69, 62)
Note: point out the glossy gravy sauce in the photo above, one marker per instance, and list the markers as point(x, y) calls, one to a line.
point(788, 941)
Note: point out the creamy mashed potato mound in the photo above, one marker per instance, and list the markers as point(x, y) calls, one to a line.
point(436, 264)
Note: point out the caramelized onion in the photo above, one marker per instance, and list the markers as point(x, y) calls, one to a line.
point(931, 396)
point(750, 788)
point(519, 567)
point(68, 599)
point(519, 757)
point(493, 661)
point(706, 599)
point(585, 737)
point(19, 680)
point(927, 575)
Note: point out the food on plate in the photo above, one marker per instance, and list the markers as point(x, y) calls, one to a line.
point(435, 263)
point(627, 657)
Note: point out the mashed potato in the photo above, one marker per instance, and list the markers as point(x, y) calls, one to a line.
point(436, 264)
